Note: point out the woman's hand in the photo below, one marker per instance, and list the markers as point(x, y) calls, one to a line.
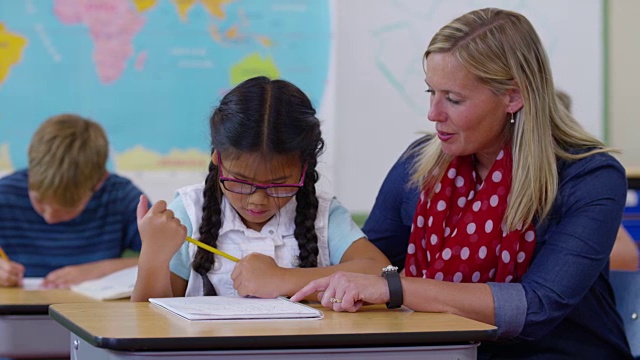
point(346, 291)
point(258, 275)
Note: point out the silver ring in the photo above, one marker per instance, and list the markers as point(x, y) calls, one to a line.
point(335, 301)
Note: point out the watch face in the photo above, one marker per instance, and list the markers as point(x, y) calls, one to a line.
point(390, 268)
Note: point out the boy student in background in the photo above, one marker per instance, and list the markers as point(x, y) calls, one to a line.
point(66, 218)
point(258, 203)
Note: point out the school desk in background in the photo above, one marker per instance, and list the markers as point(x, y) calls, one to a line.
point(25, 326)
point(631, 215)
point(633, 177)
point(26, 330)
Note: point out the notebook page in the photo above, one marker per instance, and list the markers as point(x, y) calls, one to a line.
point(116, 285)
point(32, 283)
point(229, 308)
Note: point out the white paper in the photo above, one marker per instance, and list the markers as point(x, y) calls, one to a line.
point(236, 308)
point(32, 283)
point(116, 285)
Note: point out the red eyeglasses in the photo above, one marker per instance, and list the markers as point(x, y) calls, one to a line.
point(247, 188)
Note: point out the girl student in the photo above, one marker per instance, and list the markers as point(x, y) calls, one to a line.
point(259, 203)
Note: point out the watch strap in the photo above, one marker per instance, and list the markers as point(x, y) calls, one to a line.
point(395, 288)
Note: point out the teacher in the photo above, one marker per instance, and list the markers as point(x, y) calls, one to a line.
point(518, 209)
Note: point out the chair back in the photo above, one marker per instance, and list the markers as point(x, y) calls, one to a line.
point(626, 287)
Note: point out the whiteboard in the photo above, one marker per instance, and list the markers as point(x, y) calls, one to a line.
point(380, 101)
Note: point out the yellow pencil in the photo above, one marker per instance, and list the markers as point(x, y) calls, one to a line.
point(212, 249)
point(3, 255)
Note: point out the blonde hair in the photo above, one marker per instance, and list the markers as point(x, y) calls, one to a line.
point(67, 159)
point(564, 99)
point(502, 49)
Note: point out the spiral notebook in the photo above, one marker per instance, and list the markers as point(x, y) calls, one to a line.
point(236, 308)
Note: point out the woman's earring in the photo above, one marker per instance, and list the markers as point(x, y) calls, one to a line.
point(513, 120)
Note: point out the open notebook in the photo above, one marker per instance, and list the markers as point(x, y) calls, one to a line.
point(116, 285)
point(236, 308)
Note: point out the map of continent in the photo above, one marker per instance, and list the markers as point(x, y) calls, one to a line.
point(11, 47)
point(112, 25)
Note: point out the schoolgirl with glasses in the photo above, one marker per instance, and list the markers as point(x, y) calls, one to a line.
point(259, 203)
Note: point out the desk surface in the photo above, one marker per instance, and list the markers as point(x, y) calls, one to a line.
point(16, 301)
point(137, 326)
point(633, 177)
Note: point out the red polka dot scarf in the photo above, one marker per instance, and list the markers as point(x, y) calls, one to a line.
point(458, 234)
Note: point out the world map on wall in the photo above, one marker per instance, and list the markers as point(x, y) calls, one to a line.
point(149, 71)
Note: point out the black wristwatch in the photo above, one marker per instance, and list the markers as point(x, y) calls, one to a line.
point(395, 286)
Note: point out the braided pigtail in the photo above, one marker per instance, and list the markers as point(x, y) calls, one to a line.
point(209, 228)
point(294, 128)
point(306, 211)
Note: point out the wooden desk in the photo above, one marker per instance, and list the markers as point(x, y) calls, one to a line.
point(24, 317)
point(139, 330)
point(633, 177)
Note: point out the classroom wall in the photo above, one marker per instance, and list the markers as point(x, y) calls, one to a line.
point(624, 79)
point(381, 104)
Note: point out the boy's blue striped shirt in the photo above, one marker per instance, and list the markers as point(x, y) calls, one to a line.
point(105, 228)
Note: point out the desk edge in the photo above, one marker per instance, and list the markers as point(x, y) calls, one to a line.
point(24, 309)
point(267, 342)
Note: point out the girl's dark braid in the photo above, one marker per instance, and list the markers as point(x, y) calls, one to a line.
point(306, 211)
point(209, 228)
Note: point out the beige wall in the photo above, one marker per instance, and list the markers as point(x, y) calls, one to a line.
point(624, 80)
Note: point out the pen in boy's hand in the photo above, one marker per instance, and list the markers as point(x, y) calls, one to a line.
point(212, 249)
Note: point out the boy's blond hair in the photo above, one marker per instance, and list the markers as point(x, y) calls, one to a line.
point(67, 159)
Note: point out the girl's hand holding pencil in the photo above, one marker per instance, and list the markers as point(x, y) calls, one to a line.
point(162, 235)
point(160, 223)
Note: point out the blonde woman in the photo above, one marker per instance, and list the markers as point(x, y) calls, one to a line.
point(519, 206)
